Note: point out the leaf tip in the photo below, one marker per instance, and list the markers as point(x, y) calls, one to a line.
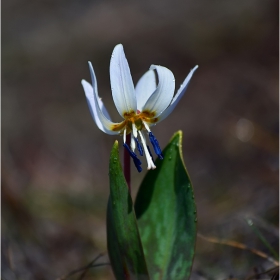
point(115, 146)
point(115, 151)
point(179, 135)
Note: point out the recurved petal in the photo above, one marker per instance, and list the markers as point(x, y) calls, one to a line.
point(163, 94)
point(178, 96)
point(145, 88)
point(88, 89)
point(123, 91)
point(96, 106)
point(103, 109)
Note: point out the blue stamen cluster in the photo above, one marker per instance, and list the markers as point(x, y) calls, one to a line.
point(139, 147)
point(136, 160)
point(156, 146)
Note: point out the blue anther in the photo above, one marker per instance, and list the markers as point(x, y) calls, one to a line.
point(136, 160)
point(150, 154)
point(156, 146)
point(137, 165)
point(132, 154)
point(139, 147)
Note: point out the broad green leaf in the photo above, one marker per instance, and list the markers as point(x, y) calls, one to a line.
point(166, 213)
point(123, 240)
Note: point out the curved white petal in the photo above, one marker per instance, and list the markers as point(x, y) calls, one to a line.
point(103, 109)
point(101, 121)
point(96, 106)
point(145, 88)
point(123, 91)
point(88, 89)
point(88, 85)
point(163, 94)
point(178, 95)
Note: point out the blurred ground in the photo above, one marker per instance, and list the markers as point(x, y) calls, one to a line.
point(55, 160)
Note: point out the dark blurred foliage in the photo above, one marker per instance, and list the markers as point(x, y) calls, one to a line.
point(55, 160)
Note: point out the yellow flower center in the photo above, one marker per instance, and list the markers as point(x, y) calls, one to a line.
point(137, 119)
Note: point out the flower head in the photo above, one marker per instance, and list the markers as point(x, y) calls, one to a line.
point(141, 107)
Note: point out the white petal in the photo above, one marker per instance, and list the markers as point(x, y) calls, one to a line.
point(178, 95)
point(144, 88)
point(103, 109)
point(101, 121)
point(163, 94)
point(95, 92)
point(96, 106)
point(88, 88)
point(123, 91)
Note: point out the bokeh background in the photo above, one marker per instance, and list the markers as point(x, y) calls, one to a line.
point(55, 160)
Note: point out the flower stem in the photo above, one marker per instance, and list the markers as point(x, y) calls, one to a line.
point(126, 158)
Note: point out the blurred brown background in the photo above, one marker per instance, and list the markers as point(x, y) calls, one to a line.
point(55, 160)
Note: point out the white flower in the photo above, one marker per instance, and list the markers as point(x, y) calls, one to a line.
point(140, 107)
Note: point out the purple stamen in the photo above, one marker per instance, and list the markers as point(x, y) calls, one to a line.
point(138, 167)
point(139, 147)
point(136, 160)
point(156, 146)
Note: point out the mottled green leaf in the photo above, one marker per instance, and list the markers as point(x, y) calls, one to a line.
point(166, 213)
point(123, 240)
